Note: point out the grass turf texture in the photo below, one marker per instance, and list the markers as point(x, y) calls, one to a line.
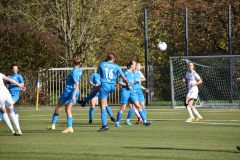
point(169, 137)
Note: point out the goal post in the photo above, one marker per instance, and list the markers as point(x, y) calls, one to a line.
point(218, 73)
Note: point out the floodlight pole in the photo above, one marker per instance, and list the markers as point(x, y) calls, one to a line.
point(186, 31)
point(230, 51)
point(146, 52)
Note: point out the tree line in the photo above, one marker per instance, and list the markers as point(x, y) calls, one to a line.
point(47, 33)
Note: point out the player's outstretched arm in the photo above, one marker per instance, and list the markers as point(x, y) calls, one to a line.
point(14, 82)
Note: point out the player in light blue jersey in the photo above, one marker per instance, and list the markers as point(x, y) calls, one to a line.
point(69, 96)
point(128, 94)
point(95, 82)
point(13, 88)
point(139, 77)
point(108, 73)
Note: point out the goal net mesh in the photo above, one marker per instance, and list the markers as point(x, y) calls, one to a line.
point(218, 73)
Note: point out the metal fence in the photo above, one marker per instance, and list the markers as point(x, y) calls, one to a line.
point(53, 83)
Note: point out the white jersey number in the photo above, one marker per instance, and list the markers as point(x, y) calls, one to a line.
point(109, 73)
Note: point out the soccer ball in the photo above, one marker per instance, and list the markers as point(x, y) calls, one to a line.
point(162, 46)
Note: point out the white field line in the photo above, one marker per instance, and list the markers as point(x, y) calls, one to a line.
point(211, 122)
point(148, 109)
point(207, 120)
point(235, 124)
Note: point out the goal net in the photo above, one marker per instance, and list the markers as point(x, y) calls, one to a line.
point(218, 73)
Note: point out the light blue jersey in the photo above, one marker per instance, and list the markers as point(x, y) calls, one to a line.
point(130, 77)
point(14, 89)
point(73, 77)
point(137, 86)
point(108, 72)
point(126, 93)
point(95, 79)
point(19, 79)
point(137, 80)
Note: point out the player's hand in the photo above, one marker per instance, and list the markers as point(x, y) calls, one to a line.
point(128, 85)
point(193, 85)
point(146, 90)
point(22, 87)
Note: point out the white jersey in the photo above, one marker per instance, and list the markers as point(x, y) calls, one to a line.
point(3, 88)
point(5, 96)
point(192, 78)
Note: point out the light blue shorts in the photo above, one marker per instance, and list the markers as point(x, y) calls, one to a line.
point(106, 89)
point(15, 95)
point(140, 95)
point(128, 96)
point(66, 96)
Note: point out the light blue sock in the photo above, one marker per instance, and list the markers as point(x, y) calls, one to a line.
point(91, 113)
point(142, 115)
point(104, 117)
point(69, 121)
point(145, 112)
point(1, 116)
point(130, 113)
point(119, 117)
point(89, 97)
point(54, 118)
point(109, 111)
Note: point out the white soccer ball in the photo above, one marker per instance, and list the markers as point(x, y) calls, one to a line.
point(162, 46)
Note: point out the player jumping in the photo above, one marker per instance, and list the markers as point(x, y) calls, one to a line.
point(108, 73)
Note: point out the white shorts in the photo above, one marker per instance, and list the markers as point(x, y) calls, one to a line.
point(193, 94)
point(6, 100)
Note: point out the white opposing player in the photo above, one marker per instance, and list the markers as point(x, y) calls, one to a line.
point(192, 82)
point(6, 105)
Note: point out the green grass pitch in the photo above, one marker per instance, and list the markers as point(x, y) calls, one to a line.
point(169, 137)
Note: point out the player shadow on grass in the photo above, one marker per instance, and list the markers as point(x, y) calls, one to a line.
point(184, 149)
